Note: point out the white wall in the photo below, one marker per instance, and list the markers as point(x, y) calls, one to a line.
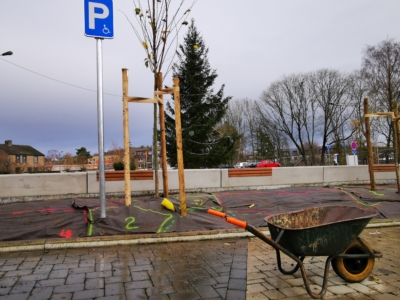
point(85, 183)
point(42, 184)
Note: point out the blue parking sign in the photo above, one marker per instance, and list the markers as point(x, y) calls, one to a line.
point(99, 19)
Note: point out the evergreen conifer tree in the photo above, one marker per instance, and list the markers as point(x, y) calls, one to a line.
point(204, 144)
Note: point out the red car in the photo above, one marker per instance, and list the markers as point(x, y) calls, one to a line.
point(268, 164)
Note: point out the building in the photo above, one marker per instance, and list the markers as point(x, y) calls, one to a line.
point(20, 158)
point(142, 157)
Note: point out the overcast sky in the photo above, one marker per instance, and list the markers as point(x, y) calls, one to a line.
point(251, 44)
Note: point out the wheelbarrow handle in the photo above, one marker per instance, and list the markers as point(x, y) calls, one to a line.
point(236, 222)
point(233, 221)
point(217, 213)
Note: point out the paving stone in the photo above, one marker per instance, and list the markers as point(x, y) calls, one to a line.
point(255, 288)
point(255, 296)
point(58, 274)
point(385, 297)
point(15, 297)
point(88, 294)
point(33, 277)
point(94, 283)
point(115, 279)
point(68, 288)
point(239, 274)
point(8, 281)
point(274, 294)
point(206, 291)
point(75, 278)
point(105, 274)
point(237, 284)
point(185, 295)
point(41, 293)
point(159, 297)
point(361, 288)
point(43, 269)
point(160, 290)
point(62, 296)
point(5, 290)
point(235, 294)
point(385, 288)
point(140, 275)
point(119, 297)
point(22, 287)
point(293, 291)
point(136, 294)
point(138, 284)
point(160, 280)
point(202, 281)
point(112, 289)
point(50, 282)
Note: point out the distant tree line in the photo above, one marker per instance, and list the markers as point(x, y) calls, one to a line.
point(323, 109)
point(309, 112)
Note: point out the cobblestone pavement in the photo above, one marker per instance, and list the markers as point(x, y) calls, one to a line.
point(216, 269)
point(188, 270)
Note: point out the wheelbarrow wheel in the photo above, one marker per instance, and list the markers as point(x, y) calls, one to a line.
point(354, 269)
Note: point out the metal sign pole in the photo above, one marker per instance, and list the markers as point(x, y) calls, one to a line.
point(99, 23)
point(100, 125)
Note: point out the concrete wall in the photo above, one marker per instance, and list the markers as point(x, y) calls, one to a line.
point(17, 185)
point(85, 183)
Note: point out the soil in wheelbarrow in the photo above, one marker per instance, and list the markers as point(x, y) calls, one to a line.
point(80, 217)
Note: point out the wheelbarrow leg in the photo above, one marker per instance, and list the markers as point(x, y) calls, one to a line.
point(291, 272)
point(298, 260)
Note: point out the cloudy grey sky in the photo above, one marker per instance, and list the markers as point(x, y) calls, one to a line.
point(252, 43)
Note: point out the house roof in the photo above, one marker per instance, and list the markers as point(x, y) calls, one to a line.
point(20, 150)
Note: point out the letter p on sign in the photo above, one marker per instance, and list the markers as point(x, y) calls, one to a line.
point(93, 15)
point(99, 18)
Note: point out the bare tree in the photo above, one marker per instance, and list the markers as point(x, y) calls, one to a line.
point(157, 31)
point(288, 107)
point(6, 166)
point(330, 92)
point(68, 161)
point(381, 69)
point(117, 152)
point(234, 117)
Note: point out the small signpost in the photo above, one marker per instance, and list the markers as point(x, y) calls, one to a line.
point(99, 23)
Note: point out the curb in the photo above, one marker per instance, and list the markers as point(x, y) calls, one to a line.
point(47, 244)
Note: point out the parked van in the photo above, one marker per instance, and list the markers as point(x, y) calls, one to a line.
point(240, 165)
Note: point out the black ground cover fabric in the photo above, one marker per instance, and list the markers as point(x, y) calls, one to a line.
point(80, 217)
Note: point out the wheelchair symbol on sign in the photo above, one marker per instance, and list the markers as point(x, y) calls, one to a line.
point(106, 30)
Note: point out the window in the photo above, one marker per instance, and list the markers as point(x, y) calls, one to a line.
point(24, 159)
point(17, 159)
point(35, 159)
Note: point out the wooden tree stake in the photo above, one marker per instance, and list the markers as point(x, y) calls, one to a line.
point(127, 169)
point(162, 137)
point(369, 146)
point(178, 124)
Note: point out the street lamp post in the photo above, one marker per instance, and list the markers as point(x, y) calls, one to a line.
point(342, 125)
point(7, 53)
point(59, 157)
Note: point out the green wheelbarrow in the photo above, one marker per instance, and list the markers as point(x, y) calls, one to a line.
point(331, 231)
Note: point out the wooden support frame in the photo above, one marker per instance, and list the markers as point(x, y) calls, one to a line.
point(158, 99)
point(394, 115)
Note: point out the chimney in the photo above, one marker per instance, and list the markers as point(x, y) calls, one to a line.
point(8, 143)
